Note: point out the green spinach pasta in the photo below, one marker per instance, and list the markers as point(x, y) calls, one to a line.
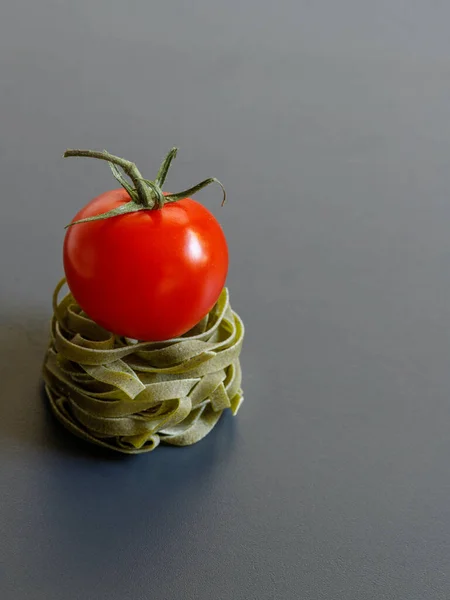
point(131, 396)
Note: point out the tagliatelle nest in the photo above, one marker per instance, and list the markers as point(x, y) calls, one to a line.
point(129, 396)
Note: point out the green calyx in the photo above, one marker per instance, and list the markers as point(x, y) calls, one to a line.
point(144, 194)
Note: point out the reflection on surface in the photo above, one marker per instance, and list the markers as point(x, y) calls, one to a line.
point(195, 248)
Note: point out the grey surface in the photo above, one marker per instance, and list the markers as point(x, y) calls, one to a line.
point(329, 123)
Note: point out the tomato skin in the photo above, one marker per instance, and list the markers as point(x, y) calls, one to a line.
point(150, 275)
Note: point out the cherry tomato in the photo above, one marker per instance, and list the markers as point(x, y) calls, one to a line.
point(149, 275)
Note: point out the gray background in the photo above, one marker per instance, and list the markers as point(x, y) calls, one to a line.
point(329, 123)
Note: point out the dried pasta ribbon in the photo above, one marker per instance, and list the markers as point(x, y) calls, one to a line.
point(131, 396)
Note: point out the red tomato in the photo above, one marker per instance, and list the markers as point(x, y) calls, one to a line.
point(149, 275)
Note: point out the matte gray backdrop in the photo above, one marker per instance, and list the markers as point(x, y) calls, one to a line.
point(329, 123)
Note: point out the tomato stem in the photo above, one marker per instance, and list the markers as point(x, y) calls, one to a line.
point(145, 194)
point(165, 166)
